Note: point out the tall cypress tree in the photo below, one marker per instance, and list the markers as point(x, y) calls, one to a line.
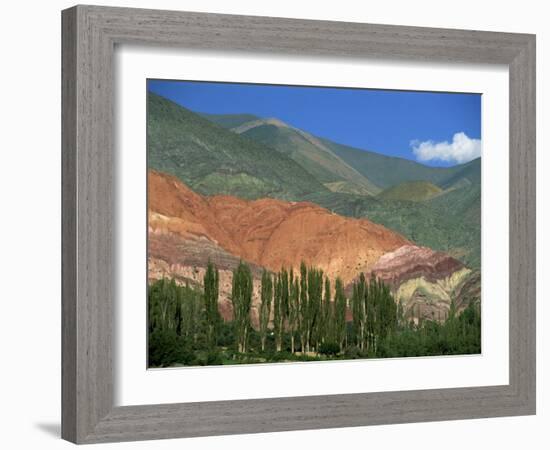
point(211, 290)
point(265, 307)
point(339, 314)
point(192, 305)
point(359, 310)
point(387, 311)
point(241, 299)
point(285, 297)
point(293, 308)
point(315, 290)
point(278, 313)
point(303, 310)
point(370, 302)
point(326, 313)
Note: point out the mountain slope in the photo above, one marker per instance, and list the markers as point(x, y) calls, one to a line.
point(307, 150)
point(466, 175)
point(450, 222)
point(426, 282)
point(311, 154)
point(229, 120)
point(324, 158)
point(413, 191)
point(268, 232)
point(386, 171)
point(214, 160)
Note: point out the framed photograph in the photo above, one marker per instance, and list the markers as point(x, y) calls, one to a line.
point(278, 224)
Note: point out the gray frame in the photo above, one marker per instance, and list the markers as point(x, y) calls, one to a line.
point(89, 36)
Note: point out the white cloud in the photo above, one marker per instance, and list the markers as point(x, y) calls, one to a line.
point(461, 150)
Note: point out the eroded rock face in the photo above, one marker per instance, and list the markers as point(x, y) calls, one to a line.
point(185, 260)
point(270, 233)
point(410, 262)
point(426, 281)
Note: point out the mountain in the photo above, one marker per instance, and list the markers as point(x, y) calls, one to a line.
point(310, 152)
point(268, 232)
point(386, 171)
point(187, 229)
point(465, 175)
point(449, 222)
point(229, 120)
point(212, 159)
point(317, 155)
point(413, 191)
point(426, 281)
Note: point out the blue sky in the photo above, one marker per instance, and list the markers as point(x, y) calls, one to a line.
point(437, 129)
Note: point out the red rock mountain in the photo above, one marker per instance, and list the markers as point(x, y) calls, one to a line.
point(267, 232)
point(426, 281)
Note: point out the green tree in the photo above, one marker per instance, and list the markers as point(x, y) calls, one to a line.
point(278, 312)
point(326, 313)
point(211, 291)
point(386, 311)
point(370, 304)
point(293, 308)
point(174, 322)
point(241, 299)
point(265, 307)
point(315, 292)
point(340, 305)
point(359, 311)
point(191, 307)
point(303, 308)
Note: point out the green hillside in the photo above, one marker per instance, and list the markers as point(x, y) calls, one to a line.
point(412, 191)
point(229, 120)
point(378, 171)
point(450, 222)
point(386, 171)
point(214, 160)
point(466, 175)
point(307, 150)
point(311, 154)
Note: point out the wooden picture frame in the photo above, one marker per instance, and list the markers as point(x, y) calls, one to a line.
point(90, 34)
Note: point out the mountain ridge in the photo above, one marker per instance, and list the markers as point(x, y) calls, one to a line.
point(210, 158)
point(307, 150)
point(381, 170)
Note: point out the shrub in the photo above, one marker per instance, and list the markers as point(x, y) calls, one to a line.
point(329, 349)
point(166, 349)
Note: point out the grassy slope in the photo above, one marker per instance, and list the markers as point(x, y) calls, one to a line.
point(380, 170)
point(414, 191)
point(213, 160)
point(229, 120)
point(386, 171)
point(318, 160)
point(450, 222)
point(468, 174)
point(311, 154)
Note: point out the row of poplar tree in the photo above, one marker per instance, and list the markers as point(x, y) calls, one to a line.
point(303, 307)
point(297, 306)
